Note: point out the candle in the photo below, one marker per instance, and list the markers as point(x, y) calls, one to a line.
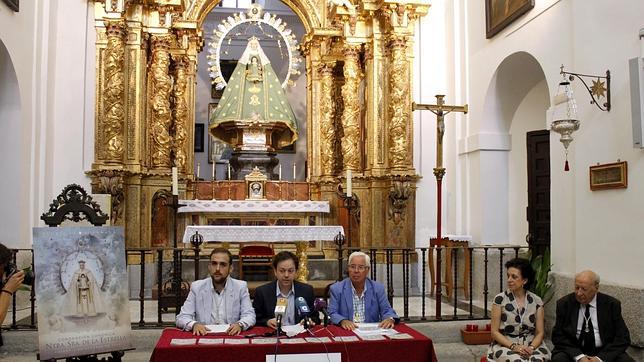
point(294, 170)
point(175, 181)
point(228, 171)
point(349, 191)
point(279, 174)
point(198, 170)
point(213, 170)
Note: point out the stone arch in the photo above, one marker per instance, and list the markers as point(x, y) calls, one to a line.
point(13, 161)
point(306, 10)
point(515, 102)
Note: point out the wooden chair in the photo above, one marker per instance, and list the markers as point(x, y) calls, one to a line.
point(256, 259)
point(448, 272)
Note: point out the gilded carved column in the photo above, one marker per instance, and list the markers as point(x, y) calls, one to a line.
point(399, 107)
point(110, 130)
point(159, 92)
point(351, 113)
point(327, 110)
point(180, 111)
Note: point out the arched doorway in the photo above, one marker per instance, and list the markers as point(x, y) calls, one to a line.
point(12, 160)
point(515, 104)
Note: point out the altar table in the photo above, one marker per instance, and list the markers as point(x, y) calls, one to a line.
point(420, 348)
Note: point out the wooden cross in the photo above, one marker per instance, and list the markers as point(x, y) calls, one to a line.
point(440, 110)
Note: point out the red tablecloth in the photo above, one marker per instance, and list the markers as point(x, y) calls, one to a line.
point(420, 348)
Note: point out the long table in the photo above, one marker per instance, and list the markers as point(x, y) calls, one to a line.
point(420, 348)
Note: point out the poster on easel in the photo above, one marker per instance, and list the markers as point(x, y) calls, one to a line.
point(82, 291)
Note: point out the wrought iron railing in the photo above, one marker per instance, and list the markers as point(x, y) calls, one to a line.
point(388, 264)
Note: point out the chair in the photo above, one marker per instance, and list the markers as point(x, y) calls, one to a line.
point(256, 259)
point(448, 274)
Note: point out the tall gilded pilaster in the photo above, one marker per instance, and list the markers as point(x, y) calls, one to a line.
point(111, 125)
point(351, 145)
point(399, 104)
point(327, 128)
point(180, 111)
point(159, 92)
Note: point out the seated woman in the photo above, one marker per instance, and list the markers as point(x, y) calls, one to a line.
point(518, 318)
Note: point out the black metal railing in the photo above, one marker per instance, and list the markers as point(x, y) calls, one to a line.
point(392, 266)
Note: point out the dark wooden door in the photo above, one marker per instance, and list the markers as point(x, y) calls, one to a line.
point(538, 211)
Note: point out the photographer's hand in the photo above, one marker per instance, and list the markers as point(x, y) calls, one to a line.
point(14, 281)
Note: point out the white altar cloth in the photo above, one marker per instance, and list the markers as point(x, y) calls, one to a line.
point(271, 234)
point(232, 206)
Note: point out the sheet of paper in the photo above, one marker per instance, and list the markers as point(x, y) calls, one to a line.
point(318, 339)
point(368, 326)
point(236, 341)
point(373, 337)
point(183, 341)
point(217, 328)
point(293, 330)
point(264, 340)
point(346, 339)
point(292, 340)
point(370, 331)
point(400, 336)
point(210, 341)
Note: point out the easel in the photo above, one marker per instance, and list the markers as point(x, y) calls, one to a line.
point(440, 110)
point(75, 204)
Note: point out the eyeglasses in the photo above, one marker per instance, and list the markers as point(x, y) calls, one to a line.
point(358, 267)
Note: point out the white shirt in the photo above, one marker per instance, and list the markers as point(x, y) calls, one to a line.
point(219, 307)
point(593, 318)
point(289, 316)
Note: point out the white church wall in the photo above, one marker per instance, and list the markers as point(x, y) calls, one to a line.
point(12, 161)
point(586, 230)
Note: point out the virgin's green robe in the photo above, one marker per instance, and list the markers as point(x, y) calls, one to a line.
point(254, 92)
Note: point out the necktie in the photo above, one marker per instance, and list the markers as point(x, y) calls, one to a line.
point(587, 335)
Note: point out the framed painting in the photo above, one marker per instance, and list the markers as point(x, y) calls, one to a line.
point(199, 133)
point(609, 176)
point(500, 13)
point(218, 150)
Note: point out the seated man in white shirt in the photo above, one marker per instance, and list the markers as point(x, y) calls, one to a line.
point(218, 299)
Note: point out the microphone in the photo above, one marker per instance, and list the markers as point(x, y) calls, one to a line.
point(280, 310)
point(320, 306)
point(304, 310)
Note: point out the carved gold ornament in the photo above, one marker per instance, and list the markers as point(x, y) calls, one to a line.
point(254, 15)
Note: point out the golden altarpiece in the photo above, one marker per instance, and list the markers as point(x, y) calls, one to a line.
point(358, 62)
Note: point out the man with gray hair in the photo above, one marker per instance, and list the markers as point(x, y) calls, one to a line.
point(358, 299)
point(589, 325)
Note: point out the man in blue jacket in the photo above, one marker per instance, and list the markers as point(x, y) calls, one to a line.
point(357, 299)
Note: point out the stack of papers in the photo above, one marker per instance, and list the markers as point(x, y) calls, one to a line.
point(293, 330)
point(211, 341)
point(372, 329)
point(217, 328)
point(183, 341)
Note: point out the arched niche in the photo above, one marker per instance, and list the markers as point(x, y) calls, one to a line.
point(12, 159)
point(515, 103)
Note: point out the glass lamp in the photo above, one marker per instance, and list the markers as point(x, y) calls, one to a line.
point(565, 120)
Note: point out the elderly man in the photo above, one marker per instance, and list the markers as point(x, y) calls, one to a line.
point(589, 325)
point(357, 299)
point(218, 299)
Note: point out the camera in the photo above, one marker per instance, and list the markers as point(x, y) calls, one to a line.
point(11, 268)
